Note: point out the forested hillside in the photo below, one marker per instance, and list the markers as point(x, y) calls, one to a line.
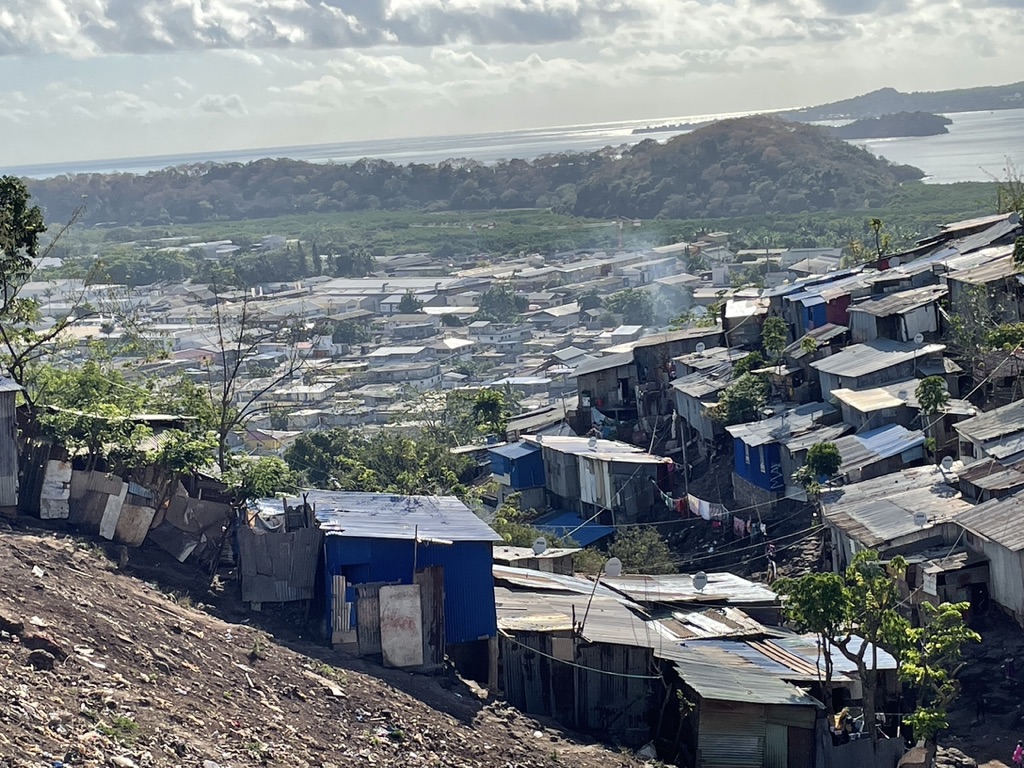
point(741, 167)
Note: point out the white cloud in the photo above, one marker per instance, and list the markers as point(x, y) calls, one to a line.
point(231, 104)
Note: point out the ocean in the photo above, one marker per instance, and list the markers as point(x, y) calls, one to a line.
point(975, 149)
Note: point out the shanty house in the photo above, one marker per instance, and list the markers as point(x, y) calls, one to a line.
point(578, 652)
point(994, 529)
point(897, 316)
point(375, 541)
point(617, 482)
point(519, 468)
point(873, 364)
point(767, 453)
point(893, 514)
point(996, 434)
point(879, 452)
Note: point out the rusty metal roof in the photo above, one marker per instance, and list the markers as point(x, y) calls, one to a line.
point(724, 588)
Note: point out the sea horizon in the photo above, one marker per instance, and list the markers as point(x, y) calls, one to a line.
point(976, 148)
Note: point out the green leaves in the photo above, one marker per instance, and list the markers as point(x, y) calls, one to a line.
point(262, 478)
point(931, 660)
point(741, 401)
point(774, 334)
point(633, 304)
point(932, 394)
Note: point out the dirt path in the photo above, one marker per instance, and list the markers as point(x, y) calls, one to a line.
point(98, 668)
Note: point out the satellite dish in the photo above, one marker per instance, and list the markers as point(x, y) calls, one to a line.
point(700, 347)
point(918, 338)
point(700, 580)
point(947, 463)
point(613, 567)
point(540, 545)
point(903, 395)
point(895, 261)
point(592, 442)
point(920, 518)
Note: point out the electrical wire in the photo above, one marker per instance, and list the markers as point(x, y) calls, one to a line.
point(512, 640)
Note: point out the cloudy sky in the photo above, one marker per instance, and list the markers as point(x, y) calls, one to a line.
point(89, 79)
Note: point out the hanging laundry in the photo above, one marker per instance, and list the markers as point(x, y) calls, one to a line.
point(693, 504)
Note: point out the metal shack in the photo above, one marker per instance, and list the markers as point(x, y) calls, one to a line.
point(8, 447)
point(375, 542)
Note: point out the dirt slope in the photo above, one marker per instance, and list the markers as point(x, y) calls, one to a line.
point(138, 679)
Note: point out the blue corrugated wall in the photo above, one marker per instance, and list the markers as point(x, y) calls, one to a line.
point(528, 471)
point(469, 612)
point(751, 472)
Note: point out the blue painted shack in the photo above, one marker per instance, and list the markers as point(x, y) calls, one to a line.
point(519, 468)
point(383, 539)
point(767, 453)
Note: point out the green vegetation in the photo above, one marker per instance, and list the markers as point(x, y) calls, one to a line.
point(501, 304)
point(261, 478)
point(773, 336)
point(865, 602)
point(741, 401)
point(898, 124)
point(822, 462)
point(932, 394)
point(642, 550)
point(744, 166)
point(633, 304)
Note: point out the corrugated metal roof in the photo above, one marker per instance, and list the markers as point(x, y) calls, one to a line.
point(609, 620)
point(711, 358)
point(792, 424)
point(880, 398)
point(9, 385)
point(514, 450)
point(999, 520)
point(571, 525)
point(994, 424)
point(385, 516)
point(882, 509)
point(718, 675)
point(903, 301)
point(991, 475)
point(605, 363)
point(804, 440)
point(997, 269)
point(703, 383)
point(725, 588)
point(875, 355)
point(820, 335)
point(552, 582)
point(859, 451)
point(715, 622)
point(806, 647)
point(515, 554)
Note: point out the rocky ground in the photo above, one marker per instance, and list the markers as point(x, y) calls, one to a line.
point(101, 668)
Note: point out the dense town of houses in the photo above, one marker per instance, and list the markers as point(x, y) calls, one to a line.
point(614, 430)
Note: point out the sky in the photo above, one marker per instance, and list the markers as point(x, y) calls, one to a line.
point(95, 79)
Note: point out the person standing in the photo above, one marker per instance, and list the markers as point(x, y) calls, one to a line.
point(1018, 753)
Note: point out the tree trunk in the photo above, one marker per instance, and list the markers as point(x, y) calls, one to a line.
point(870, 682)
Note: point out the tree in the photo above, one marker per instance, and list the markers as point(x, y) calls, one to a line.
point(822, 461)
point(633, 304)
point(512, 524)
point(350, 332)
point(589, 300)
point(237, 339)
point(409, 304)
point(931, 662)
point(774, 334)
point(862, 603)
point(750, 362)
point(24, 342)
point(741, 401)
point(261, 478)
point(932, 395)
point(491, 410)
point(500, 304)
point(642, 550)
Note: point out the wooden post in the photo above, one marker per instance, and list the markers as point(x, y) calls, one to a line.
point(492, 665)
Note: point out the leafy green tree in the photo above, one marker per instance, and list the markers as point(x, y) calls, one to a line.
point(589, 300)
point(808, 345)
point(642, 550)
point(512, 523)
point(931, 662)
point(774, 334)
point(491, 410)
point(863, 603)
point(932, 395)
point(350, 332)
point(501, 304)
point(409, 304)
point(90, 409)
point(741, 401)
point(823, 461)
point(1008, 337)
point(261, 478)
point(634, 305)
point(750, 362)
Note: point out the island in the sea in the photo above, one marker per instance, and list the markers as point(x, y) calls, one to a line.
point(895, 125)
point(668, 127)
